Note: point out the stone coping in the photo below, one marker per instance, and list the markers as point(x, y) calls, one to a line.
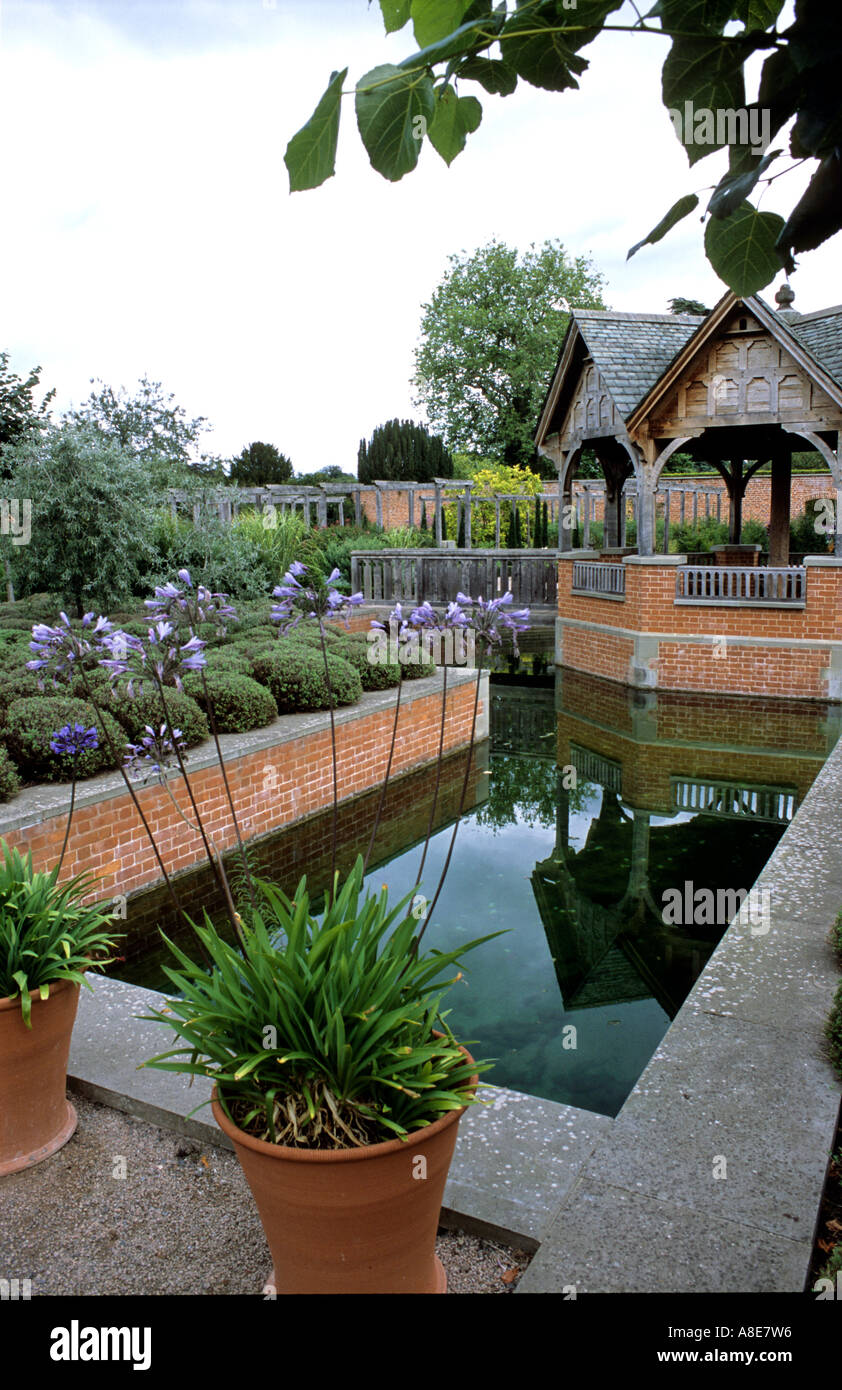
point(711, 1176)
point(35, 804)
point(516, 1159)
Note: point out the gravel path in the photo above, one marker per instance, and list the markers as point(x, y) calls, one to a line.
point(127, 1208)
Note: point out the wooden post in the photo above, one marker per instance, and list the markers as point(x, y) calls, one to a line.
point(682, 500)
point(358, 508)
point(667, 504)
point(410, 503)
point(305, 506)
point(496, 521)
point(437, 487)
point(321, 512)
point(586, 538)
point(342, 511)
point(735, 493)
point(780, 504)
point(378, 501)
point(468, 520)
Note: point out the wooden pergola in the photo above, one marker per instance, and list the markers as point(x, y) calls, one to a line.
point(738, 388)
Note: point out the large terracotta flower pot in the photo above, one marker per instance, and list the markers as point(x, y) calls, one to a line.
point(35, 1116)
point(351, 1220)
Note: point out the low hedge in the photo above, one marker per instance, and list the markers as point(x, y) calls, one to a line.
point(296, 677)
point(135, 713)
point(227, 659)
point(17, 685)
point(239, 703)
point(30, 725)
point(373, 676)
point(9, 779)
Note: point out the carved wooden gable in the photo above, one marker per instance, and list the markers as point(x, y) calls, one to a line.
point(592, 411)
point(743, 377)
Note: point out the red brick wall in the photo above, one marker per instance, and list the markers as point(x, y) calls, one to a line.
point(396, 506)
point(650, 607)
point(271, 788)
point(756, 504)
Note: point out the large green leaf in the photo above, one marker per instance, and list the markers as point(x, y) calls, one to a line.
point(741, 248)
point(539, 53)
point(689, 16)
point(455, 119)
point(757, 14)
point(701, 82)
point(311, 153)
point(475, 34)
point(734, 187)
point(394, 112)
point(435, 19)
point(395, 14)
point(681, 209)
point(496, 77)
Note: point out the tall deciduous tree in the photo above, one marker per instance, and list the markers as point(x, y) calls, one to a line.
point(20, 415)
point(490, 337)
point(149, 425)
point(91, 519)
point(260, 463)
point(483, 45)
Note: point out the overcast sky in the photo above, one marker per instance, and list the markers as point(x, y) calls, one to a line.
point(148, 227)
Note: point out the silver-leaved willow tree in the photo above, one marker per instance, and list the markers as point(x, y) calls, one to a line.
point(476, 44)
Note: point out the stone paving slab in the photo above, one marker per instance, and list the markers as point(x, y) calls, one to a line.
point(609, 1240)
point(516, 1159)
point(741, 1074)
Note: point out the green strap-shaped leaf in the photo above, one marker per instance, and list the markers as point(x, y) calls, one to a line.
point(496, 77)
point(435, 19)
point(701, 82)
point(311, 153)
point(456, 118)
point(394, 112)
point(678, 210)
point(741, 248)
point(395, 14)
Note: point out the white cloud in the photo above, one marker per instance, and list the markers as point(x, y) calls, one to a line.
point(150, 227)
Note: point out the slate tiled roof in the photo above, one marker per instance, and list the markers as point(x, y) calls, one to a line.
point(821, 334)
point(632, 351)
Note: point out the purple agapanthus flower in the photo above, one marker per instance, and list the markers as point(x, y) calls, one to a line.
point(162, 659)
point(74, 739)
point(492, 618)
point(60, 651)
point(321, 600)
point(154, 755)
point(187, 608)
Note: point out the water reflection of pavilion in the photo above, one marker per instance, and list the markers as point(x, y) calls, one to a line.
point(691, 788)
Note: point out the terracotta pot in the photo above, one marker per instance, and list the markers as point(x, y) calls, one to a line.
point(351, 1220)
point(36, 1118)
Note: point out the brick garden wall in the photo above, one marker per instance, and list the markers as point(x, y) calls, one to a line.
point(756, 505)
point(649, 608)
point(272, 787)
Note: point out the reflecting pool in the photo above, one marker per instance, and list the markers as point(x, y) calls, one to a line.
point(592, 811)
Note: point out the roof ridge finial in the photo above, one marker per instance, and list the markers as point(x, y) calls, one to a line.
point(785, 298)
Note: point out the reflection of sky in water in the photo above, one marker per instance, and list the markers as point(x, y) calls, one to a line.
point(509, 1003)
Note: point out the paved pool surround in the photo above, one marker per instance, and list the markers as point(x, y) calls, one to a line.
point(630, 1204)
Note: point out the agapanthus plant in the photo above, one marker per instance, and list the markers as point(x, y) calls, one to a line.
point(69, 742)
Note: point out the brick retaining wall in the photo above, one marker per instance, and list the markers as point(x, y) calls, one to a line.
point(277, 776)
